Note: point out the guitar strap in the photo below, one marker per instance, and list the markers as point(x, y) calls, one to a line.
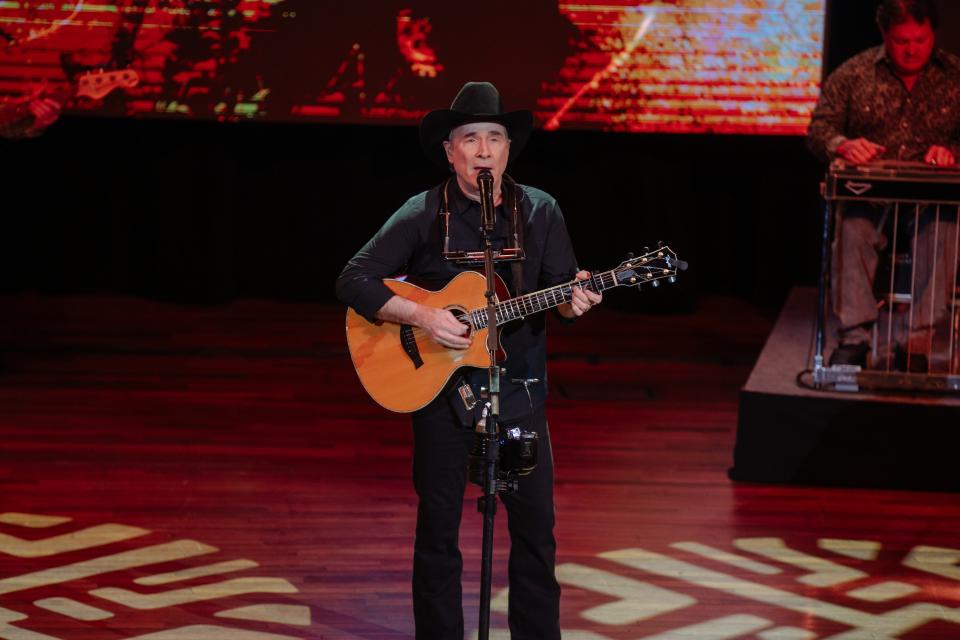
point(512, 195)
point(512, 199)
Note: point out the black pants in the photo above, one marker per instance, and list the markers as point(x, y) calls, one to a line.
point(441, 448)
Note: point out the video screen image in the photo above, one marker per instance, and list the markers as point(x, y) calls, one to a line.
point(682, 66)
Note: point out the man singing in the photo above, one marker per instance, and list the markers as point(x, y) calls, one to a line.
point(475, 134)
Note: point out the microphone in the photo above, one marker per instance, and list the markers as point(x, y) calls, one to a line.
point(485, 182)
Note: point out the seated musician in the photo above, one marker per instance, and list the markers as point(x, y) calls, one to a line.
point(897, 101)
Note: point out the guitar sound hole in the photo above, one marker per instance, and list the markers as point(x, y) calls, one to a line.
point(461, 315)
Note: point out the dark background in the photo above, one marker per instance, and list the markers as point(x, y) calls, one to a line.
point(204, 212)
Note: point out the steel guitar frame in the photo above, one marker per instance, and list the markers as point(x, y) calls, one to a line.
point(888, 183)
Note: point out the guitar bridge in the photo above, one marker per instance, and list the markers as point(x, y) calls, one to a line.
point(409, 343)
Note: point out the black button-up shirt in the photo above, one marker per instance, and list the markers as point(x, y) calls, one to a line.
point(411, 243)
point(864, 98)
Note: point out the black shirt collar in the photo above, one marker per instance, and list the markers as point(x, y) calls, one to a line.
point(458, 200)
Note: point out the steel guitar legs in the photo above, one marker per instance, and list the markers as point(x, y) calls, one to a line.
point(893, 277)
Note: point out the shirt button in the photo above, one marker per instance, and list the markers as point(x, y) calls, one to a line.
point(904, 124)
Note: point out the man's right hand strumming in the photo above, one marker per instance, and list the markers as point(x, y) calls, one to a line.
point(441, 325)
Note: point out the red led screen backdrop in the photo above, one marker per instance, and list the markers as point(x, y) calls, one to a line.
point(730, 66)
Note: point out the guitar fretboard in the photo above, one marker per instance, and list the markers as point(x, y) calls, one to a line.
point(531, 303)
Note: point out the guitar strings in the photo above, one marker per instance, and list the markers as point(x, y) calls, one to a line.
point(508, 308)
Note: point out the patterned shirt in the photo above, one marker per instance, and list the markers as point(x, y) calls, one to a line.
point(864, 98)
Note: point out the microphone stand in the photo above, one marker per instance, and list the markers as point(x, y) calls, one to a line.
point(487, 503)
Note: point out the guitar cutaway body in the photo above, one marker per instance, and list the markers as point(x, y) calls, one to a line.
point(400, 366)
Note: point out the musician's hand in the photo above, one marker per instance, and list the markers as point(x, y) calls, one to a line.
point(442, 327)
point(581, 300)
point(45, 112)
point(859, 151)
point(939, 157)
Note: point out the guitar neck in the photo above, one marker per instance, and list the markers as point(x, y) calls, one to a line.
point(531, 303)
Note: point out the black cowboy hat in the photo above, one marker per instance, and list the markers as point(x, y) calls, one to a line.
point(476, 102)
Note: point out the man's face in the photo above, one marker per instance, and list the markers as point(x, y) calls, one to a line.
point(909, 46)
point(476, 146)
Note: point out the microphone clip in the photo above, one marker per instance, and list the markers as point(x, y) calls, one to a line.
point(485, 183)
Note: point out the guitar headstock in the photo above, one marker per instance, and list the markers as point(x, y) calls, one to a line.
point(97, 84)
point(651, 267)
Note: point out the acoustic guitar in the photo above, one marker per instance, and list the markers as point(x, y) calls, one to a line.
point(403, 369)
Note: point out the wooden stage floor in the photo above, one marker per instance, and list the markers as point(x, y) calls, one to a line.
point(204, 473)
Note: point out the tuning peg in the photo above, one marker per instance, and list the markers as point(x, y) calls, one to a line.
point(646, 249)
point(630, 255)
point(655, 284)
point(672, 279)
point(659, 244)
